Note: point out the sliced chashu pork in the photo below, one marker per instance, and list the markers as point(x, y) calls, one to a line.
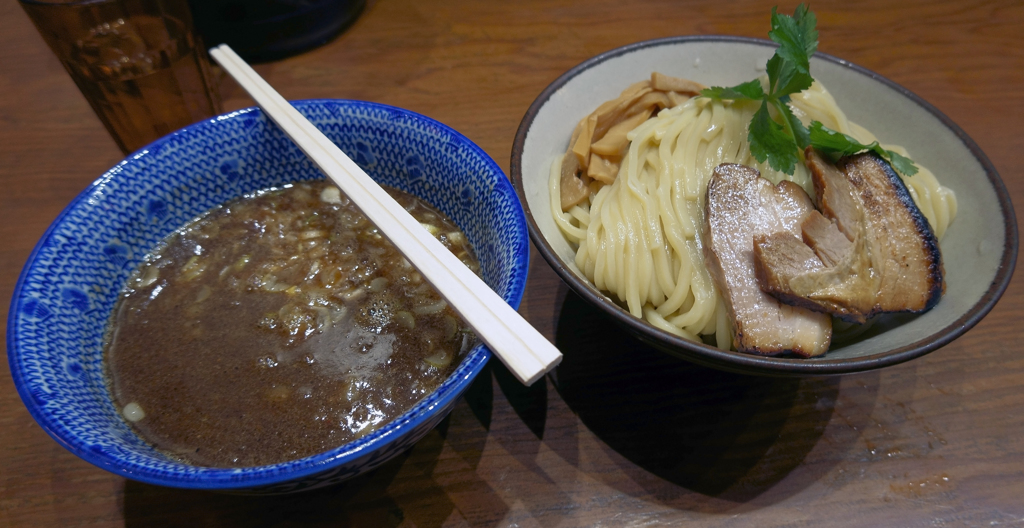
point(740, 204)
point(870, 251)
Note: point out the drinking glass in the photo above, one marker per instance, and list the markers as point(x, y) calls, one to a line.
point(139, 63)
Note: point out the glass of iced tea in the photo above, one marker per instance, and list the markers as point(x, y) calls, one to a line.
point(139, 63)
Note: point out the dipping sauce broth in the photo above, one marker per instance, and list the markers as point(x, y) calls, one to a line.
point(278, 326)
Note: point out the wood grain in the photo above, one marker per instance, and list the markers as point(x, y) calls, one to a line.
point(619, 435)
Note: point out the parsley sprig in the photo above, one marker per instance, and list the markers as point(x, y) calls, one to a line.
point(781, 141)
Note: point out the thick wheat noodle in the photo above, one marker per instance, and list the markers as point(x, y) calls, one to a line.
point(639, 238)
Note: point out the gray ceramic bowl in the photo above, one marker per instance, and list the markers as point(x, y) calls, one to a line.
point(66, 292)
point(979, 249)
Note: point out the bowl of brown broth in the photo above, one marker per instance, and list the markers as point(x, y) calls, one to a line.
point(267, 284)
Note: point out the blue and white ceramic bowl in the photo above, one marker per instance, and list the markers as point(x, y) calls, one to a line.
point(68, 288)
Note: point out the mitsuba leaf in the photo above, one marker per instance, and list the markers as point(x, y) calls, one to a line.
point(836, 145)
point(902, 163)
point(800, 133)
point(796, 37)
point(784, 78)
point(750, 90)
point(807, 21)
point(769, 141)
point(789, 73)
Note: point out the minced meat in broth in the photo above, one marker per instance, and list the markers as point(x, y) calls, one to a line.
point(278, 326)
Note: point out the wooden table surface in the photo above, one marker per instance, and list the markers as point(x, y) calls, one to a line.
point(620, 435)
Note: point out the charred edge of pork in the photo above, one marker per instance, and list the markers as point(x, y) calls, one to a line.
point(936, 271)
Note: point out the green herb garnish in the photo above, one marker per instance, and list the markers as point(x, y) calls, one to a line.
point(838, 145)
point(789, 72)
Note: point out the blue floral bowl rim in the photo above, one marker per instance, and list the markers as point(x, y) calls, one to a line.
point(259, 476)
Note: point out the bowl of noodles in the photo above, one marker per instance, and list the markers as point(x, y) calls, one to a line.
point(604, 254)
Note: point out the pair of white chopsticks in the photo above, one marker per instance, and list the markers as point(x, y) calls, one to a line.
point(519, 346)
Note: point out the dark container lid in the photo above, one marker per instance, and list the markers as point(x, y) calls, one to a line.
point(272, 29)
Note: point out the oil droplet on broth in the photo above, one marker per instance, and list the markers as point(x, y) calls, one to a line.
point(133, 412)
